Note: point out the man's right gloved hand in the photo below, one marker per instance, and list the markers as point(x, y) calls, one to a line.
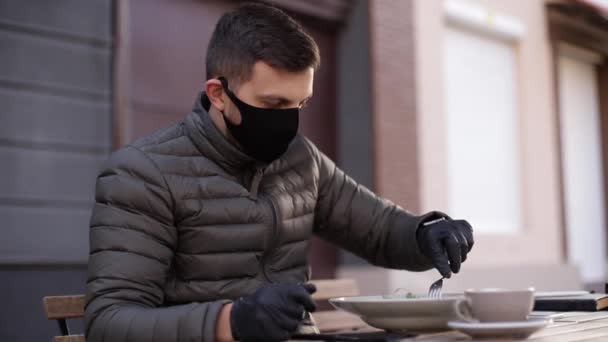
point(272, 313)
point(446, 242)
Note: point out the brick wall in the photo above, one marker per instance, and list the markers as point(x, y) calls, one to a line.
point(394, 106)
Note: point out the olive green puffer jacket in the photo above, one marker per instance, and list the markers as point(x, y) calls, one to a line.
point(184, 222)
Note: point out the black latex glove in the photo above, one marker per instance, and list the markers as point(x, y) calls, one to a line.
point(446, 243)
point(272, 313)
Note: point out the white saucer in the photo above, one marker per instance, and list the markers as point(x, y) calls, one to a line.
point(521, 329)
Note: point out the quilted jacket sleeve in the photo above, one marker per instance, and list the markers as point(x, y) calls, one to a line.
point(354, 218)
point(132, 241)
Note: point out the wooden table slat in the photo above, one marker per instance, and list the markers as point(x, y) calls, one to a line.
point(567, 329)
point(578, 336)
point(594, 339)
point(581, 317)
point(575, 327)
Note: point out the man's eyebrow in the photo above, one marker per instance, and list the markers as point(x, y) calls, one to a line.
point(278, 98)
point(272, 98)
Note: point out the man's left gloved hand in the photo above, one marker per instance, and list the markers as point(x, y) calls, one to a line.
point(446, 242)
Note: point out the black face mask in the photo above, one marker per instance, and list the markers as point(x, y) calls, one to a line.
point(264, 133)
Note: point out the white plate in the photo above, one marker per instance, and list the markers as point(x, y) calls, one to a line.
point(521, 329)
point(401, 314)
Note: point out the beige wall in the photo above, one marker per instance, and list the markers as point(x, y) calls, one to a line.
point(540, 240)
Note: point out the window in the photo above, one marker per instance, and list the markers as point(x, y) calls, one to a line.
point(482, 130)
point(582, 162)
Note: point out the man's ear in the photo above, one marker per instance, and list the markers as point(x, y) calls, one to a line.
point(215, 93)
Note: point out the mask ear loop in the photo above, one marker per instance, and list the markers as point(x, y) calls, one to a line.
point(228, 92)
point(224, 81)
point(226, 89)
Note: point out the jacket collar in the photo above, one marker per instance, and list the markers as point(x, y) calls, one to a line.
point(211, 142)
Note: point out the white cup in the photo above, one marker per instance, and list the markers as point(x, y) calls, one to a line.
point(496, 305)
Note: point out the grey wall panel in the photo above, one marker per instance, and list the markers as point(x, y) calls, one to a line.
point(51, 62)
point(55, 131)
point(47, 175)
point(87, 18)
point(21, 315)
point(354, 97)
point(42, 118)
point(44, 235)
point(355, 150)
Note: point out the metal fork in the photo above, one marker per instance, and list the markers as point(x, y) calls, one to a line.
point(435, 289)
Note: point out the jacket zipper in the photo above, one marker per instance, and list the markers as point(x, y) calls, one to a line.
point(273, 237)
point(270, 243)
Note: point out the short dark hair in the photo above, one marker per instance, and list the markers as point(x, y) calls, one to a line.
point(256, 32)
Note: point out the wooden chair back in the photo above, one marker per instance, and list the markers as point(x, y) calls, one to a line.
point(62, 308)
point(334, 320)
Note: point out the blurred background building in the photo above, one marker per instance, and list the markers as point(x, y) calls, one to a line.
point(491, 110)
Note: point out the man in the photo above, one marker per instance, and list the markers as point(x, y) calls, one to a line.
point(200, 231)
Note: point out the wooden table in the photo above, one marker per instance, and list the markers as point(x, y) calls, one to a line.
point(574, 326)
